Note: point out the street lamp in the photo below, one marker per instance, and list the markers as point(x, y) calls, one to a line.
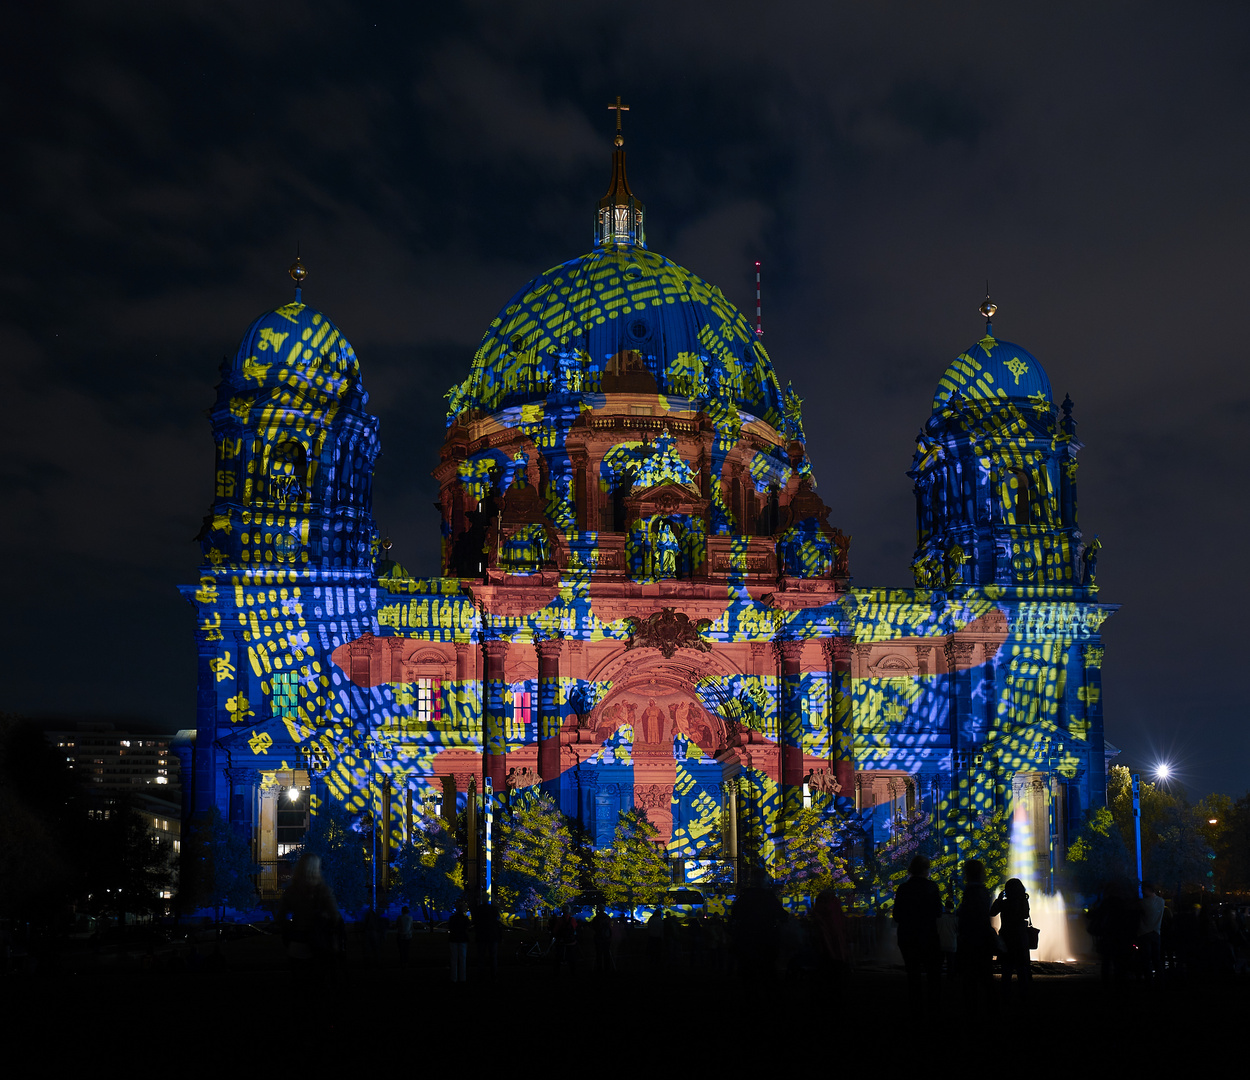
point(1137, 827)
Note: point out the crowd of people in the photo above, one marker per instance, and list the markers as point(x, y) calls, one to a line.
point(1144, 938)
point(944, 949)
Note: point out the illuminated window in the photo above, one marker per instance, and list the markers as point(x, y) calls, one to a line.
point(285, 695)
point(521, 714)
point(426, 699)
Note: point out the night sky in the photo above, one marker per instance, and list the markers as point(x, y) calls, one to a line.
point(161, 162)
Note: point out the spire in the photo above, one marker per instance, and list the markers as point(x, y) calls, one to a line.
point(620, 217)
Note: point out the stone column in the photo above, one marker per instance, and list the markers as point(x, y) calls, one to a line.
point(580, 498)
point(385, 847)
point(494, 716)
point(464, 663)
point(267, 835)
point(549, 717)
point(1090, 696)
point(791, 653)
point(842, 743)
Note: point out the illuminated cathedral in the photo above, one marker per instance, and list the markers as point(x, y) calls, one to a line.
point(643, 602)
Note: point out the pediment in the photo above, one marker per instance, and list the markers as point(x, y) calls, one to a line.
point(669, 497)
point(264, 745)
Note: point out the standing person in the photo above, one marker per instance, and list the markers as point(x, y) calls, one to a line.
point(829, 922)
point(489, 932)
point(655, 937)
point(694, 929)
point(671, 933)
point(311, 926)
point(1150, 928)
point(564, 941)
point(948, 937)
point(716, 938)
point(917, 908)
point(755, 923)
point(309, 915)
point(1013, 906)
point(458, 940)
point(403, 935)
point(1113, 922)
point(976, 947)
point(601, 925)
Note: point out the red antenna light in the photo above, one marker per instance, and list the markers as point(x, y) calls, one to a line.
point(759, 313)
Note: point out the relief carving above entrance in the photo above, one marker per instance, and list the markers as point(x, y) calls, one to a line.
point(658, 714)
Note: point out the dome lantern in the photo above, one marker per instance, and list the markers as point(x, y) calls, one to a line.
point(620, 218)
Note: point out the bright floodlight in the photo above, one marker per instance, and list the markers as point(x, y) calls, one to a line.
point(293, 794)
point(1163, 770)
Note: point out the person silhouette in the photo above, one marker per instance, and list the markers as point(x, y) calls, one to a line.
point(1012, 906)
point(917, 908)
point(311, 930)
point(976, 946)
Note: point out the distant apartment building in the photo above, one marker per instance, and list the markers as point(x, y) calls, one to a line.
point(112, 762)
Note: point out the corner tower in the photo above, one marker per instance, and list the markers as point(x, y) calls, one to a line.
point(287, 572)
point(995, 476)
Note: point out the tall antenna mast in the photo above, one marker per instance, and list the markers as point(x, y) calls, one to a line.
point(759, 313)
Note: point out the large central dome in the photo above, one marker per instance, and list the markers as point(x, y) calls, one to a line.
point(620, 318)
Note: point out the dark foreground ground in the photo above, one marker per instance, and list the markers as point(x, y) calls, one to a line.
point(201, 1004)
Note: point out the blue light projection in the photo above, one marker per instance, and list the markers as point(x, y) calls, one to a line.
point(642, 604)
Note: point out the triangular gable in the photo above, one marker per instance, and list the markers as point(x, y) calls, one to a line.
point(684, 492)
point(264, 744)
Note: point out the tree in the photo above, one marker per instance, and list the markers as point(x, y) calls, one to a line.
point(912, 836)
point(818, 853)
point(631, 871)
point(335, 836)
point(1180, 854)
point(1176, 843)
point(1232, 848)
point(127, 868)
point(1098, 855)
point(217, 866)
point(989, 840)
point(428, 871)
point(1156, 805)
point(43, 821)
point(535, 855)
point(1226, 825)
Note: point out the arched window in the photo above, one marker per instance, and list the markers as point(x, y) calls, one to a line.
point(288, 470)
point(618, 502)
point(1024, 502)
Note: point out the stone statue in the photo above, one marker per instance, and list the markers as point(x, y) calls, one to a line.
point(1091, 562)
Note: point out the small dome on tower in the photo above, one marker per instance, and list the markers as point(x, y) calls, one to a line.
point(994, 370)
point(297, 346)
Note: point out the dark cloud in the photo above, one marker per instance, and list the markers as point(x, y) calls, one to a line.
point(162, 162)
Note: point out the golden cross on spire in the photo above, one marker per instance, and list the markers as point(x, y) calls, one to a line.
point(619, 109)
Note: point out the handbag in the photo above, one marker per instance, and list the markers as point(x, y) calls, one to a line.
point(1031, 935)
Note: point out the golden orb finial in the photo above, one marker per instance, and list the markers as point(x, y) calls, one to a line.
point(987, 308)
point(298, 271)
